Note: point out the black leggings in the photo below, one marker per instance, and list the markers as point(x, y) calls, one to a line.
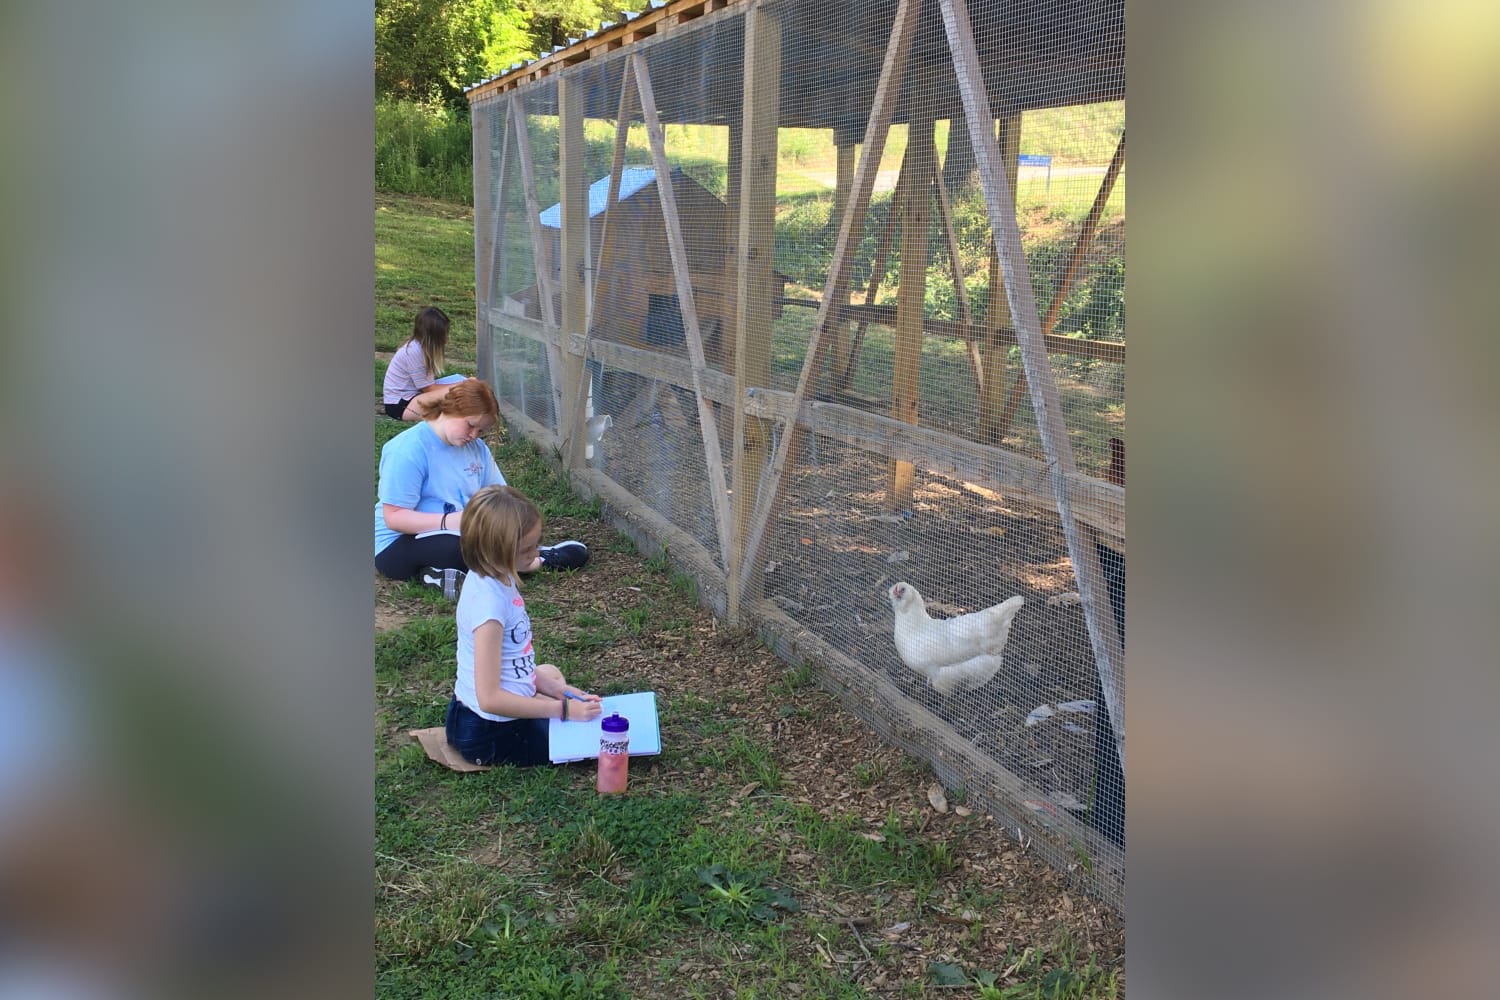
point(522, 742)
point(408, 555)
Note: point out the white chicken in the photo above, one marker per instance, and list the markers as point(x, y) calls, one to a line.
point(950, 652)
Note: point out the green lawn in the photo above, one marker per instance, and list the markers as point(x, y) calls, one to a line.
point(424, 255)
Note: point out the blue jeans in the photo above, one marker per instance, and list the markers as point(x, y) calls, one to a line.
point(522, 742)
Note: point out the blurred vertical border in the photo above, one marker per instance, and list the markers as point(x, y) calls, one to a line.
point(1312, 679)
point(186, 581)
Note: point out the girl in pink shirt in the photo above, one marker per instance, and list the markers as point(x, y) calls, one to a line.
point(412, 385)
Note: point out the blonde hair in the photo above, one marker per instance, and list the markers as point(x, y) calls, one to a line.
point(430, 331)
point(495, 520)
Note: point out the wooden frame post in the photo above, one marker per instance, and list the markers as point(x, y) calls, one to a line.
point(574, 209)
point(541, 253)
point(845, 146)
point(604, 253)
point(602, 259)
point(754, 287)
point(718, 489)
point(911, 296)
point(484, 239)
point(733, 178)
point(960, 290)
point(845, 382)
point(1103, 634)
point(484, 336)
point(998, 315)
point(1070, 272)
point(836, 290)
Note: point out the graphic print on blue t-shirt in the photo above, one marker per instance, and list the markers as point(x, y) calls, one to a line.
point(422, 472)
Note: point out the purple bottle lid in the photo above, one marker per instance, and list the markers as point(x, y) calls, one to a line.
point(615, 723)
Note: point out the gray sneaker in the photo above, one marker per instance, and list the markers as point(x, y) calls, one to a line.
point(446, 580)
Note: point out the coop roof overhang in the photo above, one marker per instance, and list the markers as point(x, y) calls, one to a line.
point(1032, 55)
point(632, 180)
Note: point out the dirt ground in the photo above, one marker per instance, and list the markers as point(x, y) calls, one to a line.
point(834, 548)
point(819, 753)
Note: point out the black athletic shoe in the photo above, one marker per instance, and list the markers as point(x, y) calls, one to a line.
point(564, 555)
point(446, 580)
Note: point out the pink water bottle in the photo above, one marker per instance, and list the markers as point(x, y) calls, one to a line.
point(614, 754)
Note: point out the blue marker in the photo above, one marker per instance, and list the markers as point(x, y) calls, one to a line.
point(575, 697)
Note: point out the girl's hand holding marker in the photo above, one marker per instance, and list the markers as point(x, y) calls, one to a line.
point(586, 709)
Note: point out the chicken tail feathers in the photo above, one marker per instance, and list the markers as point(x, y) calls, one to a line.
point(999, 632)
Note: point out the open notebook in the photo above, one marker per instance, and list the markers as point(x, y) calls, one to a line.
point(580, 740)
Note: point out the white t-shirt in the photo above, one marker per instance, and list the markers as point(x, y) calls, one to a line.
point(406, 374)
point(483, 599)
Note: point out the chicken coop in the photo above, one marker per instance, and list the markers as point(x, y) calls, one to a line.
point(638, 290)
point(847, 280)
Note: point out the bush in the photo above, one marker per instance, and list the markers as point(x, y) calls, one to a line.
point(423, 149)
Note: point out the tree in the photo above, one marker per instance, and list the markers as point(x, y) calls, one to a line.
point(509, 40)
point(424, 49)
point(553, 22)
point(431, 49)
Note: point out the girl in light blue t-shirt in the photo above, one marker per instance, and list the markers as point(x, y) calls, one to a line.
point(427, 474)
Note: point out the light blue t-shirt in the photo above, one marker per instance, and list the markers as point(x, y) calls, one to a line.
point(420, 471)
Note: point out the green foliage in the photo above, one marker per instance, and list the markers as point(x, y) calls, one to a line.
point(510, 40)
point(429, 50)
point(553, 22)
point(423, 148)
point(801, 145)
point(1083, 133)
point(729, 899)
point(1101, 311)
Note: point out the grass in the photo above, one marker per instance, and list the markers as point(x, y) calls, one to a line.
point(415, 266)
point(426, 150)
point(1090, 392)
point(726, 871)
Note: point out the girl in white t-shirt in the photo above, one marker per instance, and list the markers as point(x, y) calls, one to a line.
point(502, 698)
point(412, 384)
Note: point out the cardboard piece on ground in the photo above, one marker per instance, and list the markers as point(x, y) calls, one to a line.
point(435, 742)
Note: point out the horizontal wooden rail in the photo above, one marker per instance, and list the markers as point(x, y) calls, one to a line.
point(1096, 502)
point(1102, 350)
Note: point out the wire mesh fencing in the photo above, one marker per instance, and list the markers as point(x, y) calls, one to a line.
point(756, 274)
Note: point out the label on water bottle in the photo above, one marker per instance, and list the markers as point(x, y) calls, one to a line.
point(607, 745)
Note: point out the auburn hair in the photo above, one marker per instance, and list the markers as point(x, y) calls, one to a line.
point(469, 398)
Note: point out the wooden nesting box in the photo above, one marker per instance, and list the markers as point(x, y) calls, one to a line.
point(636, 302)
